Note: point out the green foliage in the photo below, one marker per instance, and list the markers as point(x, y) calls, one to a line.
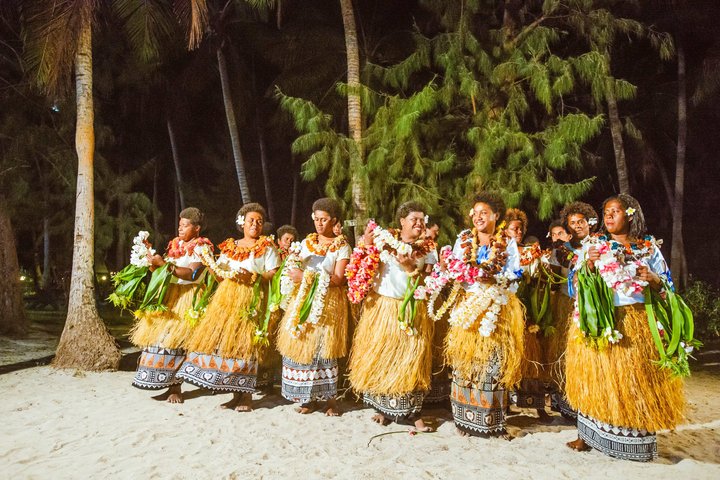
point(704, 301)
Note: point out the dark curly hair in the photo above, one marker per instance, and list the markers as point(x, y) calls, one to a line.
point(515, 214)
point(329, 205)
point(557, 223)
point(195, 216)
point(287, 229)
point(407, 208)
point(251, 207)
point(636, 220)
point(495, 202)
point(575, 208)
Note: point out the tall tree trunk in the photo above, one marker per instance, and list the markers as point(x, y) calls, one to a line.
point(295, 192)
point(279, 15)
point(232, 126)
point(121, 235)
point(176, 162)
point(678, 245)
point(156, 209)
point(265, 171)
point(616, 132)
point(13, 320)
point(46, 253)
point(85, 342)
point(354, 115)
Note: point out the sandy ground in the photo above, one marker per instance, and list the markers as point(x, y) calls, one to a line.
point(65, 424)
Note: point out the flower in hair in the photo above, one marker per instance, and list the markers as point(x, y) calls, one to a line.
point(630, 211)
point(593, 221)
point(240, 220)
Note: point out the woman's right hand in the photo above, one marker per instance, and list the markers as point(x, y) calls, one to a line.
point(296, 275)
point(244, 276)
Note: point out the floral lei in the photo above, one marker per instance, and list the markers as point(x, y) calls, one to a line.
point(178, 248)
point(309, 302)
point(317, 248)
point(365, 259)
point(466, 270)
point(235, 252)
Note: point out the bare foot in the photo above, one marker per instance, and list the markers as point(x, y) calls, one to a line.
point(421, 427)
point(505, 436)
point(173, 395)
point(579, 445)
point(462, 433)
point(245, 403)
point(544, 417)
point(234, 402)
point(332, 410)
point(381, 419)
point(306, 408)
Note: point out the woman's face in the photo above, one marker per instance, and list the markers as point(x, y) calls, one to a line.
point(615, 218)
point(337, 229)
point(187, 230)
point(252, 228)
point(324, 223)
point(413, 225)
point(578, 225)
point(483, 218)
point(286, 240)
point(515, 230)
point(559, 233)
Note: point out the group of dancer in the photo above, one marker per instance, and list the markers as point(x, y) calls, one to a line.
point(459, 322)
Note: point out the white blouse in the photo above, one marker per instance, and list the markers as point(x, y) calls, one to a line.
point(313, 261)
point(392, 280)
point(269, 260)
point(185, 262)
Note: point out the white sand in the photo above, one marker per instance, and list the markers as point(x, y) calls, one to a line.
point(56, 424)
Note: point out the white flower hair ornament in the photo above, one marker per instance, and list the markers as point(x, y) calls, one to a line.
point(240, 220)
point(470, 214)
point(592, 221)
point(313, 216)
point(630, 211)
point(426, 219)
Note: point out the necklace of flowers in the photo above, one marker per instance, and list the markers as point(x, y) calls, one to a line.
point(322, 249)
point(530, 253)
point(287, 286)
point(178, 248)
point(309, 301)
point(233, 251)
point(618, 262)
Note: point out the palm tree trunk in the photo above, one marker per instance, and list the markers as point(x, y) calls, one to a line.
point(85, 342)
point(295, 192)
point(232, 126)
point(46, 253)
point(176, 162)
point(678, 246)
point(13, 320)
point(265, 171)
point(354, 115)
point(616, 133)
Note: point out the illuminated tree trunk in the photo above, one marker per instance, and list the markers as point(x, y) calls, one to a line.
point(354, 115)
point(616, 133)
point(85, 342)
point(677, 254)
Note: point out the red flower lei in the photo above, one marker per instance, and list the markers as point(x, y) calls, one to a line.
point(314, 245)
point(176, 250)
point(235, 252)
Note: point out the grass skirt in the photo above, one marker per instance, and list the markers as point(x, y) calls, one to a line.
point(327, 339)
point(440, 379)
point(555, 344)
point(470, 353)
point(620, 385)
point(167, 329)
point(384, 359)
point(226, 329)
point(271, 362)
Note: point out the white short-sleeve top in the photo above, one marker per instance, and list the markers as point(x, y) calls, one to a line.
point(392, 280)
point(190, 257)
point(268, 260)
point(312, 260)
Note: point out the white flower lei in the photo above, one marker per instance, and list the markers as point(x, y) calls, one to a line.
point(385, 238)
point(318, 303)
point(221, 270)
point(287, 286)
point(140, 251)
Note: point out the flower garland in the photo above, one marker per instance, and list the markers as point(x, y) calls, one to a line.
point(287, 286)
point(233, 251)
point(310, 301)
point(365, 259)
point(321, 249)
point(467, 270)
point(128, 281)
point(177, 248)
